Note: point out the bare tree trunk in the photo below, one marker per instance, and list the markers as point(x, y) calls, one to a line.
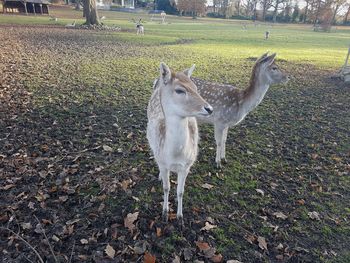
point(335, 13)
point(317, 12)
point(275, 11)
point(77, 5)
point(90, 11)
point(346, 15)
point(306, 11)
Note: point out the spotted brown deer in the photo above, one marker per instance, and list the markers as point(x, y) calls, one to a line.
point(172, 129)
point(231, 104)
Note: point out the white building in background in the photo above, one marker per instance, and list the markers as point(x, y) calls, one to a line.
point(106, 4)
point(125, 3)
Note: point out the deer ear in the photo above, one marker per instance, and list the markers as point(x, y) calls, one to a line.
point(262, 57)
point(271, 59)
point(165, 73)
point(268, 59)
point(188, 72)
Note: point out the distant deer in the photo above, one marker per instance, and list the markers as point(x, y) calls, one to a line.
point(71, 25)
point(140, 30)
point(231, 104)
point(172, 129)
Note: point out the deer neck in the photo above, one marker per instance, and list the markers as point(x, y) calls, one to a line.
point(176, 133)
point(254, 94)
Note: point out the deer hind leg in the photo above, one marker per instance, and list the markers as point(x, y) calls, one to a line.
point(164, 175)
point(223, 145)
point(181, 180)
point(219, 131)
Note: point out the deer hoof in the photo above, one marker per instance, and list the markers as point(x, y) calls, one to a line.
point(180, 223)
point(165, 216)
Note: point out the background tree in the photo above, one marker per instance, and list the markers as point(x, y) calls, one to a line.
point(193, 7)
point(296, 12)
point(166, 5)
point(275, 4)
point(346, 16)
point(90, 12)
point(265, 5)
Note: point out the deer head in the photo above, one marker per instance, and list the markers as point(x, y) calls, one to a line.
point(267, 72)
point(179, 94)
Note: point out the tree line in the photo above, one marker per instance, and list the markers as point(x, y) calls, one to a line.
point(289, 11)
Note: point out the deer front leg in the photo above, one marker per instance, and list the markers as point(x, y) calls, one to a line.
point(218, 138)
point(181, 180)
point(164, 175)
point(223, 145)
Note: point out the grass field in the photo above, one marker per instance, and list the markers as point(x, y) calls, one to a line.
point(66, 93)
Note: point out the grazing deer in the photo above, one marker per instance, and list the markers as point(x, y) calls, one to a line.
point(71, 25)
point(231, 105)
point(172, 129)
point(267, 35)
point(140, 30)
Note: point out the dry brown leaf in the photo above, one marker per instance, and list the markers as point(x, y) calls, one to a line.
point(208, 226)
point(159, 231)
point(260, 191)
point(130, 219)
point(202, 245)
point(7, 187)
point(217, 258)
point(262, 243)
point(84, 241)
point(280, 215)
point(314, 215)
point(149, 258)
point(207, 186)
point(107, 148)
point(125, 184)
point(250, 238)
point(110, 251)
point(26, 225)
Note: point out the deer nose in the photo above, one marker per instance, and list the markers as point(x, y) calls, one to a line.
point(209, 109)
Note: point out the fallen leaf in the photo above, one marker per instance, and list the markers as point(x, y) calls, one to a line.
point(140, 247)
point(110, 251)
point(149, 258)
point(202, 245)
point(262, 243)
point(301, 202)
point(207, 186)
point(250, 238)
point(280, 215)
point(216, 258)
point(129, 220)
point(260, 191)
point(176, 259)
point(84, 241)
point(159, 231)
point(125, 184)
point(7, 187)
point(107, 148)
point(208, 226)
point(26, 225)
point(314, 215)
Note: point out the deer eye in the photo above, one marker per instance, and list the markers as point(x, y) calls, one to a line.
point(274, 68)
point(180, 91)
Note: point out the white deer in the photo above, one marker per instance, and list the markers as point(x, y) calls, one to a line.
point(231, 104)
point(172, 129)
point(140, 30)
